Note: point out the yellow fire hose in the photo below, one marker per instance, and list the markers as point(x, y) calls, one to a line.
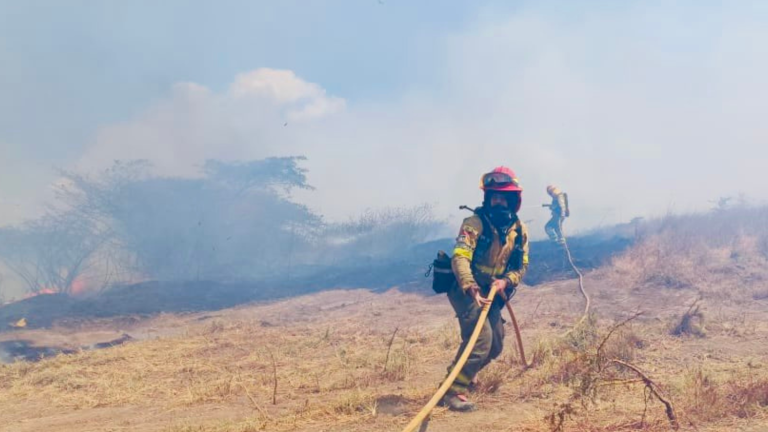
point(420, 418)
point(422, 415)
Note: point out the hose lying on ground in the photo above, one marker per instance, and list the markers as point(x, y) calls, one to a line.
point(517, 335)
point(587, 301)
point(422, 415)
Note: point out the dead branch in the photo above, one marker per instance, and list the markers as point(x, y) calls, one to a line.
point(654, 389)
point(613, 329)
point(274, 377)
point(253, 401)
point(389, 348)
point(619, 382)
point(690, 308)
point(646, 397)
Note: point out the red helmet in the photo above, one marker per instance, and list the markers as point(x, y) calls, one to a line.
point(501, 179)
point(504, 180)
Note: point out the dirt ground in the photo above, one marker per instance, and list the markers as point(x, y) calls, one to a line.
point(324, 362)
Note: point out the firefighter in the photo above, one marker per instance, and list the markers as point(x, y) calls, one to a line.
point(559, 209)
point(491, 249)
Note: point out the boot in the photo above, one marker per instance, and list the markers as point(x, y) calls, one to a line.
point(457, 402)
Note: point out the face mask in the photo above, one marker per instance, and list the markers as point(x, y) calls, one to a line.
point(500, 216)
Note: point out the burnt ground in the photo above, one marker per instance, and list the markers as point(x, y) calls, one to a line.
point(154, 297)
point(35, 345)
point(27, 350)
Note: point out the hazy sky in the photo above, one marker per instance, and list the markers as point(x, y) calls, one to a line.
point(634, 108)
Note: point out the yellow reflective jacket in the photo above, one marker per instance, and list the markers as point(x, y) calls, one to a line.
point(492, 263)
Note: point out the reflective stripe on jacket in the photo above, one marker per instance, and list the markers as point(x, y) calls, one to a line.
point(493, 261)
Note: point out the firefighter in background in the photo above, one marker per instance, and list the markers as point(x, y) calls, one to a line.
point(560, 211)
point(491, 249)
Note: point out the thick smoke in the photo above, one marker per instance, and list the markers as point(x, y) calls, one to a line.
point(630, 121)
point(633, 109)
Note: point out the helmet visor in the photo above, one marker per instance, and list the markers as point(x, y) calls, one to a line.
point(498, 180)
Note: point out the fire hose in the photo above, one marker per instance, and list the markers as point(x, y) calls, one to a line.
point(587, 301)
point(421, 418)
point(424, 413)
point(517, 335)
point(416, 422)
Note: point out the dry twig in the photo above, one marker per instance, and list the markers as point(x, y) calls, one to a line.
point(253, 401)
point(654, 389)
point(389, 348)
point(274, 378)
point(613, 329)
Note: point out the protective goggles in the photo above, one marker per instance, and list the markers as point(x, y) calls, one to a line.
point(498, 180)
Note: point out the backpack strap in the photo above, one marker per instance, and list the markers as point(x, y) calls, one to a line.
point(486, 238)
point(516, 257)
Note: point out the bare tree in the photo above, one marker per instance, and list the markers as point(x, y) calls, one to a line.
point(50, 252)
point(235, 221)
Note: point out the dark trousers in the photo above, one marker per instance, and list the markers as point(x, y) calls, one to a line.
point(490, 343)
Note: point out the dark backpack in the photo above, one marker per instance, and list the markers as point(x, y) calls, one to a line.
point(443, 277)
point(442, 273)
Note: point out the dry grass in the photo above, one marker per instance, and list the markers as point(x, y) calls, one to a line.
point(333, 375)
point(341, 368)
point(711, 265)
point(721, 254)
point(710, 398)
